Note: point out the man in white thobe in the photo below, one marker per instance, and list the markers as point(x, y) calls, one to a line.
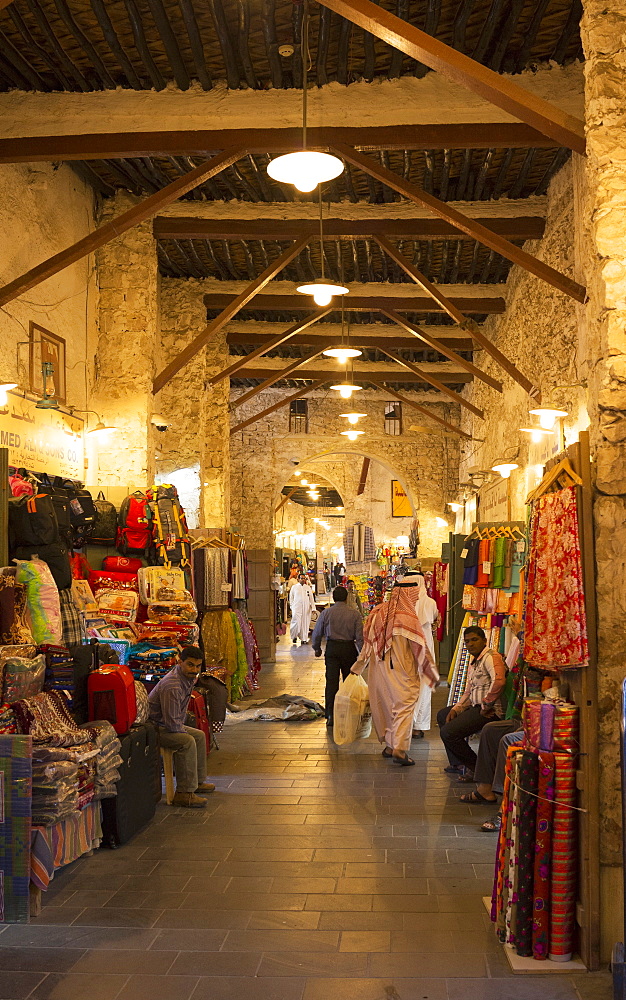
point(302, 604)
point(428, 614)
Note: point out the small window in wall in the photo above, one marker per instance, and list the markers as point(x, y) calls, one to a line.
point(299, 416)
point(393, 418)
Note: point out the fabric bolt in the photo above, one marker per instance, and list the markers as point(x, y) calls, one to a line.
point(556, 623)
point(15, 802)
point(543, 857)
point(565, 728)
point(46, 719)
point(563, 880)
point(440, 596)
point(499, 898)
point(482, 578)
point(55, 846)
point(512, 871)
point(470, 572)
point(527, 778)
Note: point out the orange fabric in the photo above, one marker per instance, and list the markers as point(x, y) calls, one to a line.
point(482, 580)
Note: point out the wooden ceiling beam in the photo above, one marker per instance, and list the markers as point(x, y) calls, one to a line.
point(293, 490)
point(500, 90)
point(277, 406)
point(473, 229)
point(269, 345)
point(421, 409)
point(240, 338)
point(278, 375)
point(437, 345)
point(365, 468)
point(193, 228)
point(114, 145)
point(363, 303)
point(362, 374)
point(421, 280)
point(111, 230)
point(436, 384)
point(231, 308)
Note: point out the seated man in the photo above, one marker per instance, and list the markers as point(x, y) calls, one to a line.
point(479, 704)
point(168, 711)
point(489, 755)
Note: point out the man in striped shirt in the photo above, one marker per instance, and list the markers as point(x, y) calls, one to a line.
point(478, 705)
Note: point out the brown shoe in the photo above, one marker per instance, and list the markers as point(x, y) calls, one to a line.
point(206, 786)
point(189, 800)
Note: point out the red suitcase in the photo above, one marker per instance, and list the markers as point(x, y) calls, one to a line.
point(111, 692)
point(197, 708)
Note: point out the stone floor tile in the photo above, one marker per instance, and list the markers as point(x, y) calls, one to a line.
point(189, 940)
point(429, 965)
point(187, 917)
point(313, 964)
point(372, 869)
point(37, 959)
point(149, 987)
point(305, 884)
point(412, 902)
point(518, 988)
point(77, 987)
point(248, 989)
point(382, 886)
point(338, 902)
point(63, 915)
point(246, 901)
point(599, 986)
point(123, 900)
point(365, 941)
point(281, 940)
point(128, 962)
point(365, 920)
point(33, 936)
point(18, 985)
point(117, 917)
point(181, 869)
point(293, 919)
point(210, 963)
point(375, 989)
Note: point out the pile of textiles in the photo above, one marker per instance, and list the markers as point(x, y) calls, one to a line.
point(223, 645)
point(46, 719)
point(148, 662)
point(14, 628)
point(178, 609)
point(108, 760)
point(55, 785)
point(534, 893)
point(489, 601)
point(167, 633)
point(7, 720)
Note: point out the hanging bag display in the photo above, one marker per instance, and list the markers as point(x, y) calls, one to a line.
point(105, 523)
point(352, 719)
point(134, 530)
point(169, 531)
point(32, 521)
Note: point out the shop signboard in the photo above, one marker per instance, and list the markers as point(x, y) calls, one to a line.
point(493, 501)
point(42, 440)
point(400, 503)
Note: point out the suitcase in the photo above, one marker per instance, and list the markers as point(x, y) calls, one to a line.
point(112, 696)
point(138, 790)
point(197, 709)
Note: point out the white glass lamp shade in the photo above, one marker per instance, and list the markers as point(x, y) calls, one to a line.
point(101, 429)
point(504, 468)
point(441, 522)
point(455, 506)
point(342, 353)
point(305, 169)
point(536, 433)
point(346, 389)
point(548, 415)
point(353, 418)
point(4, 388)
point(352, 435)
point(322, 291)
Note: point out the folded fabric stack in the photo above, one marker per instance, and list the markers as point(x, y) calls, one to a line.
point(55, 790)
point(108, 760)
point(45, 717)
point(179, 608)
point(168, 633)
point(86, 782)
point(151, 663)
point(7, 720)
point(23, 676)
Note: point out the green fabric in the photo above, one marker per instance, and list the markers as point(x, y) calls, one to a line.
point(499, 556)
point(241, 669)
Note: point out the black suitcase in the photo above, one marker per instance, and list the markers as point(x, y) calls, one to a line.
point(139, 787)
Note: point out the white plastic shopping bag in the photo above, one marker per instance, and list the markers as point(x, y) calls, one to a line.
point(352, 719)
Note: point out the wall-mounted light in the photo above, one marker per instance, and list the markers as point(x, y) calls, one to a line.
point(4, 388)
point(353, 418)
point(456, 507)
point(504, 468)
point(441, 522)
point(548, 415)
point(536, 433)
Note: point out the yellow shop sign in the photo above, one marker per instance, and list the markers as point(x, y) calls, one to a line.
point(42, 440)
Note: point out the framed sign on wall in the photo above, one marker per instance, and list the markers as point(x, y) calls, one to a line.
point(400, 503)
point(45, 346)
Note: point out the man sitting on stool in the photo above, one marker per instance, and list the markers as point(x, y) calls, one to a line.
point(168, 711)
point(342, 627)
point(478, 705)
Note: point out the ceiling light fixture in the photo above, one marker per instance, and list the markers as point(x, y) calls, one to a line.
point(536, 433)
point(548, 415)
point(344, 351)
point(456, 507)
point(4, 388)
point(352, 435)
point(353, 418)
point(322, 289)
point(306, 168)
point(504, 468)
point(441, 522)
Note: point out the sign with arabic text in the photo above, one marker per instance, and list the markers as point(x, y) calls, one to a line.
point(42, 440)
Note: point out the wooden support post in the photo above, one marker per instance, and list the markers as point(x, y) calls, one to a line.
point(421, 409)
point(277, 406)
point(365, 468)
point(4, 506)
point(470, 227)
point(287, 496)
point(238, 303)
point(138, 213)
point(276, 377)
point(438, 346)
point(436, 384)
point(459, 68)
point(269, 345)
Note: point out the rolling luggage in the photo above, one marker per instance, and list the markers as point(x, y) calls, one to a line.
point(112, 696)
point(200, 720)
point(138, 790)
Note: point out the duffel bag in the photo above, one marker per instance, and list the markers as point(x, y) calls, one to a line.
point(121, 564)
point(32, 521)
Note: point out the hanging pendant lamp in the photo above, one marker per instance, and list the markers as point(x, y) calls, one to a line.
point(306, 168)
point(322, 290)
point(344, 352)
point(345, 389)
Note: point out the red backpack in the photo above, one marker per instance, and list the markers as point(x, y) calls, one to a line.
point(134, 526)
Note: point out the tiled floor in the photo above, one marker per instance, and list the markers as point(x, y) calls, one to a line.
point(315, 873)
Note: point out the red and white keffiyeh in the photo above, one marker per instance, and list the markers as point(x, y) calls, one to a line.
point(398, 616)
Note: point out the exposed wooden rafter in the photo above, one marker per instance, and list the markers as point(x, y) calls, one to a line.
point(421, 409)
point(294, 489)
point(475, 230)
point(365, 303)
point(388, 333)
point(499, 90)
point(115, 145)
point(277, 406)
point(278, 375)
point(232, 307)
point(421, 280)
point(269, 345)
point(436, 384)
point(365, 468)
point(376, 370)
point(193, 228)
point(104, 234)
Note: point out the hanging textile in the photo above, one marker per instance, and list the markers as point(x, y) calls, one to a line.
point(564, 859)
point(526, 777)
point(543, 856)
point(556, 625)
point(219, 643)
point(359, 544)
point(240, 576)
point(440, 596)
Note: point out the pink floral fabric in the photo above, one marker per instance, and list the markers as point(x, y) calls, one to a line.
point(556, 623)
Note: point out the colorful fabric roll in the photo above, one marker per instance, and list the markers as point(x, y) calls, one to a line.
point(566, 728)
point(564, 859)
point(543, 856)
point(527, 780)
point(15, 827)
point(539, 723)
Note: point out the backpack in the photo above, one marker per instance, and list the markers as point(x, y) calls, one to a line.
point(80, 509)
point(169, 527)
point(134, 526)
point(105, 523)
point(32, 521)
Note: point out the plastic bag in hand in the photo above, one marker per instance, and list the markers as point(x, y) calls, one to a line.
point(352, 719)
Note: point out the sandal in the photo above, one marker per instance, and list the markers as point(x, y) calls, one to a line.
point(417, 734)
point(466, 779)
point(476, 799)
point(454, 769)
point(387, 752)
point(492, 825)
point(405, 761)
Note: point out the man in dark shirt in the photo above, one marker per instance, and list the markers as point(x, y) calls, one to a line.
point(342, 627)
point(168, 711)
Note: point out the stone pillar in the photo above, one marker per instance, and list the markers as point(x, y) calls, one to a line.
point(602, 221)
point(197, 413)
point(128, 281)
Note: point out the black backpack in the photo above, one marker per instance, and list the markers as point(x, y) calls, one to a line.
point(105, 525)
point(32, 521)
point(82, 510)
